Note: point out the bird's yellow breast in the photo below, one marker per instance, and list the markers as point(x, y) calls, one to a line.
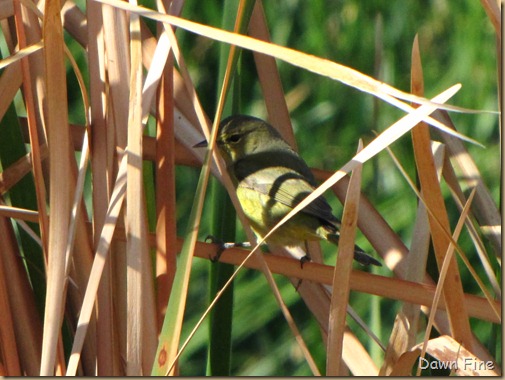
point(264, 213)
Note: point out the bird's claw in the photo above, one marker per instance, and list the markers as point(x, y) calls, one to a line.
point(222, 246)
point(303, 260)
point(220, 249)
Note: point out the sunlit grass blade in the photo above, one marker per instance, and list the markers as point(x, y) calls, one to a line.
point(21, 54)
point(308, 62)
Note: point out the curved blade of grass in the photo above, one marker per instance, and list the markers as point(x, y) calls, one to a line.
point(356, 357)
point(318, 65)
point(443, 277)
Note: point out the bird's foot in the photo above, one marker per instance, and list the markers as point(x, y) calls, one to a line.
point(304, 259)
point(222, 246)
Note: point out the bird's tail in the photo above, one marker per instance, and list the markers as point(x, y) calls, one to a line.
point(359, 255)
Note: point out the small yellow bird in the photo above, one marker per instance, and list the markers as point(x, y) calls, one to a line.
point(271, 179)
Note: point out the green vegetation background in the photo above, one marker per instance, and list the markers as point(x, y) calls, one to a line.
point(457, 46)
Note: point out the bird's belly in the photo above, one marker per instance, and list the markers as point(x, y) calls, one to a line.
point(264, 213)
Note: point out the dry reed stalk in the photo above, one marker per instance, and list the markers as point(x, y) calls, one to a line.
point(166, 232)
point(438, 219)
point(342, 274)
point(135, 215)
point(31, 68)
point(269, 78)
point(107, 349)
point(61, 188)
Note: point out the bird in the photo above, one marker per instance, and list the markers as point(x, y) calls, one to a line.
point(270, 179)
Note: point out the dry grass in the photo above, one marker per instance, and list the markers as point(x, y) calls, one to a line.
point(122, 310)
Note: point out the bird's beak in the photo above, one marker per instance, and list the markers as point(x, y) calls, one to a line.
point(201, 144)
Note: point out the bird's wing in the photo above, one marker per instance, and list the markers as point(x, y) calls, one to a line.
point(289, 188)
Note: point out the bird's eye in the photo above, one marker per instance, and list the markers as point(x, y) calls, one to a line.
point(234, 138)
